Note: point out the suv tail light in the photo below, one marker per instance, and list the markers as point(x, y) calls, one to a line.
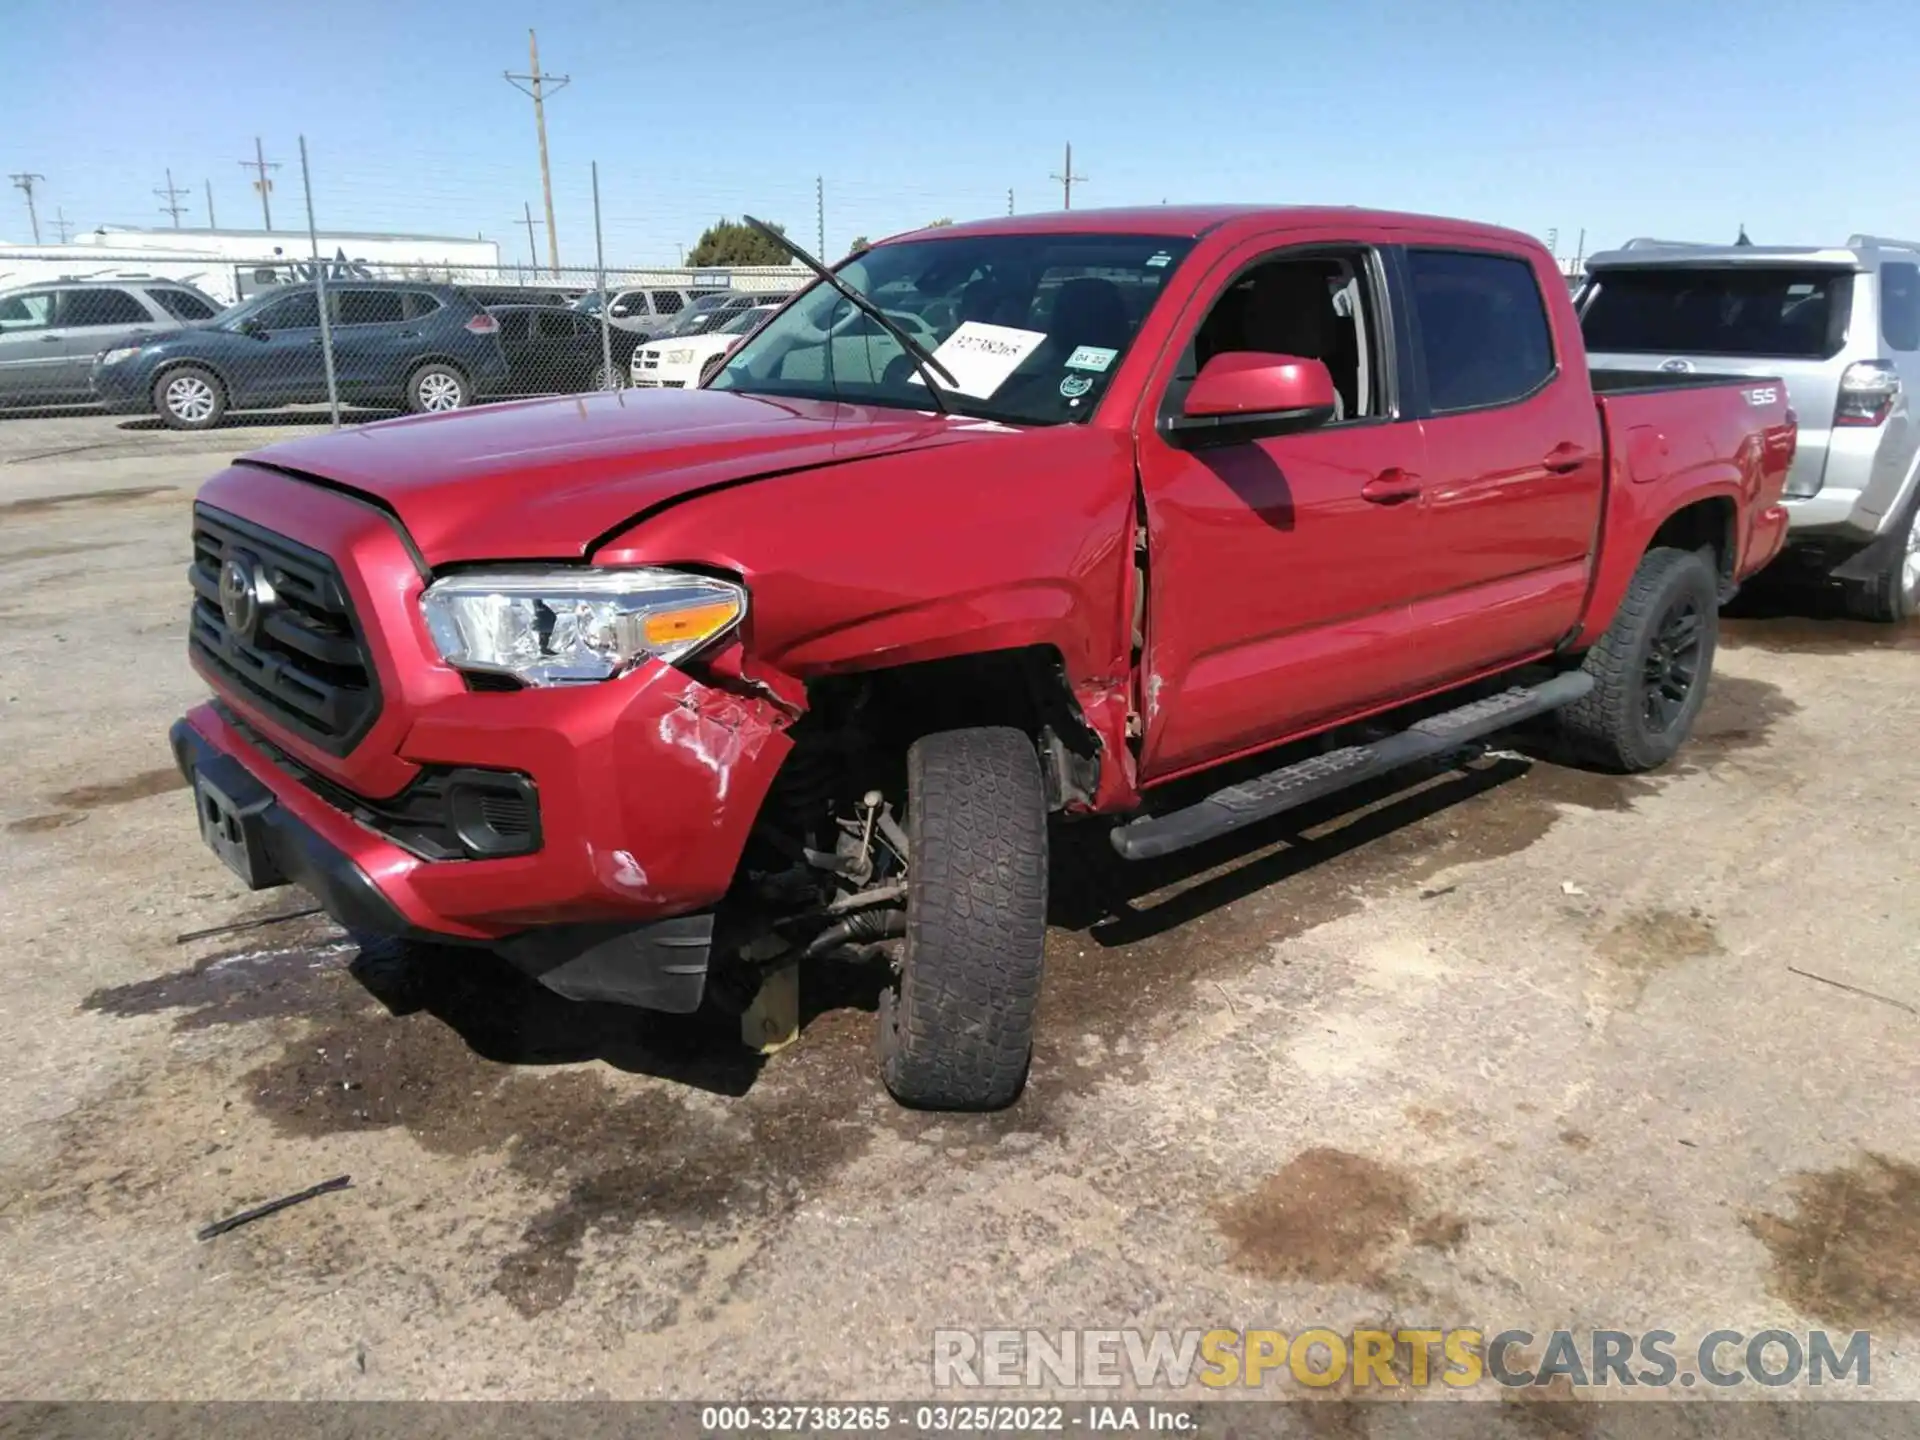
point(1867, 392)
point(484, 324)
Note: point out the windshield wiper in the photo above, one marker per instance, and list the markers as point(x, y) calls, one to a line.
point(915, 351)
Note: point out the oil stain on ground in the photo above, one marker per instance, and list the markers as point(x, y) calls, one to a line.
point(1850, 1255)
point(1643, 944)
point(39, 504)
point(1332, 1217)
point(79, 800)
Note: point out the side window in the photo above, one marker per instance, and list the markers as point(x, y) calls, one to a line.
point(420, 303)
point(371, 307)
point(1318, 306)
point(1482, 326)
point(183, 304)
point(101, 307)
point(555, 325)
point(1900, 304)
point(514, 327)
point(30, 311)
point(668, 302)
point(290, 312)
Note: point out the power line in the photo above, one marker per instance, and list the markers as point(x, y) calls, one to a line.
point(260, 165)
point(534, 86)
point(173, 206)
point(26, 182)
point(1067, 178)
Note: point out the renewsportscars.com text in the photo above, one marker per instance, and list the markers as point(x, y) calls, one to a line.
point(1388, 1359)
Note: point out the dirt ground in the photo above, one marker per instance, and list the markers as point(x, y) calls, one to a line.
point(1514, 1046)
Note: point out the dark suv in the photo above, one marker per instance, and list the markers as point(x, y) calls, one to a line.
point(424, 347)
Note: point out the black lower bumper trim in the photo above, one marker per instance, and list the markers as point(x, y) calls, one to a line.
point(661, 965)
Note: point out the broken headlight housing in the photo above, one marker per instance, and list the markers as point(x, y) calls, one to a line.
point(567, 626)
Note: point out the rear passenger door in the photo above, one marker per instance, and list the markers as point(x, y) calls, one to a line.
point(368, 337)
point(1514, 473)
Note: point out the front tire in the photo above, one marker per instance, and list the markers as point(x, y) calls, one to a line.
point(437, 389)
point(190, 397)
point(956, 1032)
point(1651, 668)
point(1893, 594)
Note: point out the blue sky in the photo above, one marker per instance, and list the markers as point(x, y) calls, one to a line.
point(1630, 117)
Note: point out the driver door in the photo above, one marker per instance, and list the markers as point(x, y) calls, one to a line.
point(1281, 570)
point(284, 362)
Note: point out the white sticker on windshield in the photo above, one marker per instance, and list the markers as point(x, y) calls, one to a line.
point(980, 357)
point(1091, 357)
point(1154, 262)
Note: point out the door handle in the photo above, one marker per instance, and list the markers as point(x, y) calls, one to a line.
point(51, 339)
point(407, 335)
point(1391, 486)
point(1565, 458)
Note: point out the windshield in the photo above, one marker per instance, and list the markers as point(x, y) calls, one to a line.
point(1788, 313)
point(589, 303)
point(1031, 326)
point(745, 322)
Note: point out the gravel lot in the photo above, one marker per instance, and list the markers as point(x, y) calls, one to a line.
point(1514, 1046)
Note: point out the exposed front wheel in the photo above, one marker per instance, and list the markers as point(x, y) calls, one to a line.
point(1650, 669)
point(956, 1031)
point(1892, 594)
point(434, 389)
point(190, 398)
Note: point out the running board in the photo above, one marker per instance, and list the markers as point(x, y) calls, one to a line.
point(1322, 775)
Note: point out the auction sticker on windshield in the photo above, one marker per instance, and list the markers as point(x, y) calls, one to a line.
point(980, 357)
point(1091, 357)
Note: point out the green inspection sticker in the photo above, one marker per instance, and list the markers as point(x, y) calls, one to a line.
point(1091, 357)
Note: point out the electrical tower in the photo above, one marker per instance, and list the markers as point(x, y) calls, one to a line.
point(173, 206)
point(260, 165)
point(539, 85)
point(27, 182)
point(1067, 180)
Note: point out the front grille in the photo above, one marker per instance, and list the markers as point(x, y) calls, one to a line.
point(447, 813)
point(304, 662)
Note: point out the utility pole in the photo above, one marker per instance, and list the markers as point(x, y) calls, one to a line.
point(535, 85)
point(820, 216)
point(173, 206)
point(212, 224)
point(1009, 199)
point(533, 253)
point(26, 183)
point(62, 225)
point(260, 165)
point(1066, 178)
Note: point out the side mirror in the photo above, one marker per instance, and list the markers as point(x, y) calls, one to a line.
point(620, 311)
point(253, 327)
point(1243, 395)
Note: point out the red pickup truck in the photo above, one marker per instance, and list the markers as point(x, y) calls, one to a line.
point(664, 693)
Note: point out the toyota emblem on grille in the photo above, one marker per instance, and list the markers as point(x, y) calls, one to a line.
point(1677, 366)
point(244, 594)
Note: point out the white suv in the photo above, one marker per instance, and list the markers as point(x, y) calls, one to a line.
point(1841, 325)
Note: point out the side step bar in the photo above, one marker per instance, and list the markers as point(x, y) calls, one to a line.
point(1322, 775)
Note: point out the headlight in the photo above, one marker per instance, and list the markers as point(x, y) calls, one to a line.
point(556, 627)
point(679, 357)
point(114, 357)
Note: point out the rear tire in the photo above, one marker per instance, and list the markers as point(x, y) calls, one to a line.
point(437, 389)
point(710, 367)
point(190, 397)
point(1893, 594)
point(609, 379)
point(956, 1033)
point(1651, 668)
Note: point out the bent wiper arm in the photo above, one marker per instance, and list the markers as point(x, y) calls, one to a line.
point(915, 351)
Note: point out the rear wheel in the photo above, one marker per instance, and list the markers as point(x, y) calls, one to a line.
point(1892, 594)
point(608, 377)
point(190, 398)
point(710, 367)
point(435, 389)
point(1650, 669)
point(956, 1031)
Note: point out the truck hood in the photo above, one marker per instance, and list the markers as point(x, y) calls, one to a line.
point(550, 479)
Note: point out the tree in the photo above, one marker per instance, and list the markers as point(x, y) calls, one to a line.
point(860, 242)
point(728, 242)
point(936, 224)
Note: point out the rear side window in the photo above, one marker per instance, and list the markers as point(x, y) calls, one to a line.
point(668, 302)
point(420, 302)
point(1900, 304)
point(182, 304)
point(515, 325)
point(371, 307)
point(1785, 313)
point(31, 311)
point(555, 325)
point(102, 307)
point(1483, 328)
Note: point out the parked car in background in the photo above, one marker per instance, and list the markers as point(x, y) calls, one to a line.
point(706, 312)
point(489, 296)
point(398, 343)
point(683, 361)
point(643, 310)
point(1841, 326)
point(555, 352)
point(666, 696)
point(50, 334)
